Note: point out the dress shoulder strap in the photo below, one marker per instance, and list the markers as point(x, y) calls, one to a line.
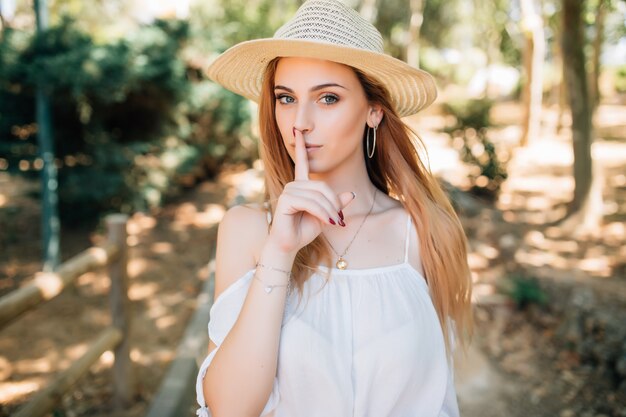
point(407, 238)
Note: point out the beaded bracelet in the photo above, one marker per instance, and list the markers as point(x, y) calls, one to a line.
point(268, 288)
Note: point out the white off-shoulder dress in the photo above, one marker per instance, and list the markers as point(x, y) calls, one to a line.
point(367, 343)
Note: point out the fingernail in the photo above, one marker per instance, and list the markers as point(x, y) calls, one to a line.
point(340, 214)
point(341, 223)
point(331, 221)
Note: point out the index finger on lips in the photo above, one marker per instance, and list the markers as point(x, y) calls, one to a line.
point(301, 160)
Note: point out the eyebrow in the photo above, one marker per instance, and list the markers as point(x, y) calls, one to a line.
point(316, 88)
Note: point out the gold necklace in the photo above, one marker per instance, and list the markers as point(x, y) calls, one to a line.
point(341, 262)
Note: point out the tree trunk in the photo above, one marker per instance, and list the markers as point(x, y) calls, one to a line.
point(533, 63)
point(594, 89)
point(415, 26)
point(559, 92)
point(50, 224)
point(584, 214)
point(526, 90)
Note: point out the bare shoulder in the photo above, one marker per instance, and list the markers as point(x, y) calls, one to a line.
point(397, 217)
point(250, 218)
point(240, 236)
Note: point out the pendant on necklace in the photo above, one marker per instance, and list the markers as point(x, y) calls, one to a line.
point(341, 263)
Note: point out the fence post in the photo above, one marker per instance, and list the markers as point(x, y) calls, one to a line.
point(123, 378)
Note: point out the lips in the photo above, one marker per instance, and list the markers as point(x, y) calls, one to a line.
point(308, 146)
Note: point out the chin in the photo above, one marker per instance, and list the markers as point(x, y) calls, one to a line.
point(317, 167)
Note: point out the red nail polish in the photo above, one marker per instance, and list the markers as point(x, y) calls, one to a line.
point(340, 214)
point(331, 221)
point(341, 223)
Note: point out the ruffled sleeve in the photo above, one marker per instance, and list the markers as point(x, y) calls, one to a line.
point(222, 317)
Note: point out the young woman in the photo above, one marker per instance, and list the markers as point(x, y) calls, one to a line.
point(345, 294)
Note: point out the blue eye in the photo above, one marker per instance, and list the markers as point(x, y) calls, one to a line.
point(329, 99)
point(284, 99)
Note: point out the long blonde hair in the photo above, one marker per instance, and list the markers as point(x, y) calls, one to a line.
point(397, 170)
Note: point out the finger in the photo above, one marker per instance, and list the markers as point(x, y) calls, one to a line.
point(319, 198)
point(301, 160)
point(346, 198)
point(298, 204)
point(320, 187)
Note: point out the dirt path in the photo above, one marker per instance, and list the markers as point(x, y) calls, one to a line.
point(480, 386)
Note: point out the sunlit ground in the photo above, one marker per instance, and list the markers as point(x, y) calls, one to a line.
point(540, 185)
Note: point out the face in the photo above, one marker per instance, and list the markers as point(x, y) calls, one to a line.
point(326, 102)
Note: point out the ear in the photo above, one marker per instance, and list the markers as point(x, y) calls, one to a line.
point(375, 115)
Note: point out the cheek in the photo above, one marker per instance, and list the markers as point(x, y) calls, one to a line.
point(345, 126)
point(285, 124)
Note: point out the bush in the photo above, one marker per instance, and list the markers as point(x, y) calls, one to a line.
point(129, 120)
point(470, 136)
point(620, 79)
point(470, 113)
point(526, 291)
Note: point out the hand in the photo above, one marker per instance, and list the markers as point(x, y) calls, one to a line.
point(304, 206)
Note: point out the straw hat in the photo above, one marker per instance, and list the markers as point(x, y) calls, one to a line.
point(325, 29)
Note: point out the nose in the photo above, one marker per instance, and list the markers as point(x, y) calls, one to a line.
point(303, 121)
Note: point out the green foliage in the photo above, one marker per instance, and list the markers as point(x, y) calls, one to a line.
point(219, 24)
point(392, 22)
point(129, 120)
point(470, 137)
point(118, 87)
point(216, 113)
point(470, 113)
point(125, 177)
point(525, 291)
point(620, 79)
point(433, 61)
point(439, 17)
point(511, 53)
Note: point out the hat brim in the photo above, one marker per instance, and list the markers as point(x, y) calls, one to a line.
point(240, 69)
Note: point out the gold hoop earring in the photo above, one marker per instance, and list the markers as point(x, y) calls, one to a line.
point(370, 154)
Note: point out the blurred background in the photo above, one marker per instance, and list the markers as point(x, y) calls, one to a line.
point(105, 108)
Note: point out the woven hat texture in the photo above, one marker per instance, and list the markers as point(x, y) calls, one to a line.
point(330, 30)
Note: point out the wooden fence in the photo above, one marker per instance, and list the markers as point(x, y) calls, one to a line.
point(177, 395)
point(46, 286)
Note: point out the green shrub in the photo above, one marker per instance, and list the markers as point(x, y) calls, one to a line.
point(470, 136)
point(130, 117)
point(525, 290)
point(620, 79)
point(470, 113)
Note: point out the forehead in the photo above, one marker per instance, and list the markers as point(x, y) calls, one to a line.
point(296, 71)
